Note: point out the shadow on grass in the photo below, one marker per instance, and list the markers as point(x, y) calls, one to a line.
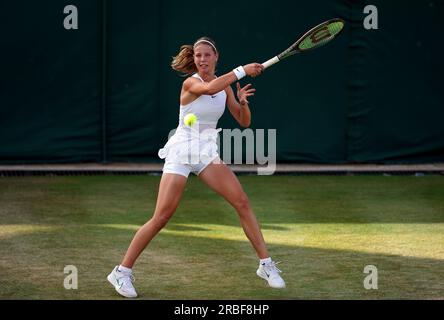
point(266, 226)
point(275, 200)
point(183, 266)
point(179, 227)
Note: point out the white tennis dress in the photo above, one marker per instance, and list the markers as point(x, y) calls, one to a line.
point(192, 149)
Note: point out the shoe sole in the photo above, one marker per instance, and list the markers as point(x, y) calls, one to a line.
point(111, 280)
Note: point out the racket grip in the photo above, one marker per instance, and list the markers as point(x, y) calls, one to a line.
point(270, 62)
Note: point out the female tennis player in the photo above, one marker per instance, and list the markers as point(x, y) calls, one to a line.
point(193, 149)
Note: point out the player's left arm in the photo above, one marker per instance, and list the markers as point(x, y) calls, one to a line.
point(240, 110)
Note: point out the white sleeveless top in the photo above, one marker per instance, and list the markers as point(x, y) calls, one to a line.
point(192, 145)
point(207, 108)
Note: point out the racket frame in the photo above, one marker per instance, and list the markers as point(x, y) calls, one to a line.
point(294, 48)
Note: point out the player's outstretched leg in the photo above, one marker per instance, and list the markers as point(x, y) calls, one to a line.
point(170, 192)
point(221, 179)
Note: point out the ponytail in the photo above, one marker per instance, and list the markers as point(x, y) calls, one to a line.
point(184, 61)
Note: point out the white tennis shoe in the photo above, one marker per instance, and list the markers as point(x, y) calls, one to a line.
point(270, 272)
point(122, 282)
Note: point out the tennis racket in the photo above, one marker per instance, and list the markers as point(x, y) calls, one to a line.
point(314, 38)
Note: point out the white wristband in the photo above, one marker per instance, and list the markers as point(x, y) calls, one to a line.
point(239, 72)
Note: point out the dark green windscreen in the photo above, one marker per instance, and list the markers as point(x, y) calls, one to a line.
point(368, 96)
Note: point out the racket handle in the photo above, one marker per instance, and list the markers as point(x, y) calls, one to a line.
point(270, 62)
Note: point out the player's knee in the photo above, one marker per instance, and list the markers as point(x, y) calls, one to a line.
point(242, 202)
point(161, 220)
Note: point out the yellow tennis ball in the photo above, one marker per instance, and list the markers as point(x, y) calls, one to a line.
point(190, 119)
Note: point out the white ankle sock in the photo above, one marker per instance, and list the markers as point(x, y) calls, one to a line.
point(124, 269)
point(265, 261)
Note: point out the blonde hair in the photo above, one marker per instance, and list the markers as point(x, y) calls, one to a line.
point(184, 61)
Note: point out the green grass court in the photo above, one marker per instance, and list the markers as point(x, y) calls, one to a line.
point(324, 229)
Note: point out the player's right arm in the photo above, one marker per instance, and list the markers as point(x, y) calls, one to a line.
point(196, 87)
